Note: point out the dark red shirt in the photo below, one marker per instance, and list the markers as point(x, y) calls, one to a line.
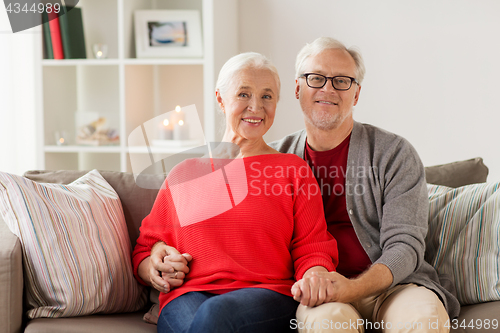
point(329, 168)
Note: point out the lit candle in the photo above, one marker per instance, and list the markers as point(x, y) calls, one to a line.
point(60, 137)
point(177, 115)
point(166, 131)
point(181, 130)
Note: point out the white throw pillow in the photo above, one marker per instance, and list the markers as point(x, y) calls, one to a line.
point(464, 239)
point(77, 253)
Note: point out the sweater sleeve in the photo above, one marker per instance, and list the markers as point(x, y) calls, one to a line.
point(404, 212)
point(312, 244)
point(152, 229)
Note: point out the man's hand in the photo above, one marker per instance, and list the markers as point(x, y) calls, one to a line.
point(166, 267)
point(317, 287)
point(344, 290)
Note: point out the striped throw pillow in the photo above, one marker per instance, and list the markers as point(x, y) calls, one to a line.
point(75, 245)
point(464, 239)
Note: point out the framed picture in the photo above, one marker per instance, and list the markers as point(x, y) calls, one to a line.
point(168, 34)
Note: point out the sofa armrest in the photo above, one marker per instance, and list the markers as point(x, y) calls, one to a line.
point(11, 281)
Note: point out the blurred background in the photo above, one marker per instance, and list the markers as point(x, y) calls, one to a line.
point(432, 70)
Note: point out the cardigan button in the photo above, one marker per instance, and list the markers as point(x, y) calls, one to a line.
point(351, 212)
point(368, 245)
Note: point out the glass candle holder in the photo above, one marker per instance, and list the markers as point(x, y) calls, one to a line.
point(61, 138)
point(100, 51)
point(166, 130)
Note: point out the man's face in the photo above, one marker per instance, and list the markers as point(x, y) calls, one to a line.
point(327, 108)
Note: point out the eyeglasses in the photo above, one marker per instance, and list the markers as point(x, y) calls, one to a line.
point(314, 80)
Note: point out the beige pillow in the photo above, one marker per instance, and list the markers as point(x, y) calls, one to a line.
point(75, 245)
point(137, 197)
point(463, 241)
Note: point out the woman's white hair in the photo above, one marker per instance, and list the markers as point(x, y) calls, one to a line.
point(326, 43)
point(243, 61)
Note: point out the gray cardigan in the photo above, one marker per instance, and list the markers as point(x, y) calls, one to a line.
point(387, 202)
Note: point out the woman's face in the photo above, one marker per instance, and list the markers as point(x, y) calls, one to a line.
point(250, 103)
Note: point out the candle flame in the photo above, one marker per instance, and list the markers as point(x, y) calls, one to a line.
point(165, 122)
point(61, 140)
point(178, 108)
point(181, 122)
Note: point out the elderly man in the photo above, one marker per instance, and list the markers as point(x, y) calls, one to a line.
point(376, 206)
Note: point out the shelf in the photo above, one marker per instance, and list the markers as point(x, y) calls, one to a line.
point(172, 61)
point(163, 150)
point(80, 62)
point(83, 149)
point(106, 62)
point(118, 149)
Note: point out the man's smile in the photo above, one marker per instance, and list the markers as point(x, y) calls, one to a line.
point(326, 102)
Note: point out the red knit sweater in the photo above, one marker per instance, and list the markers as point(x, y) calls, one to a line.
point(251, 222)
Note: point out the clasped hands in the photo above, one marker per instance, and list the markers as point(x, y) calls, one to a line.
point(167, 267)
point(319, 286)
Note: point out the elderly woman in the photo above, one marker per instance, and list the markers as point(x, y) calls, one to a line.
point(262, 230)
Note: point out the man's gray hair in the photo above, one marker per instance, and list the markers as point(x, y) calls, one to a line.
point(243, 61)
point(326, 43)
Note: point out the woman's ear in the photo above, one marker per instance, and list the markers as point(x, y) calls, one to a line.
point(218, 97)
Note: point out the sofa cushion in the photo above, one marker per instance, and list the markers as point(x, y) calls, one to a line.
point(137, 200)
point(75, 245)
point(463, 241)
point(113, 323)
point(457, 174)
point(478, 318)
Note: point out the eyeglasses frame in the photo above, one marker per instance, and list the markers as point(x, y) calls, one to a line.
point(305, 75)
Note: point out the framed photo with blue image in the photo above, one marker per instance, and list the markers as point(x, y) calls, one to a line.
point(168, 34)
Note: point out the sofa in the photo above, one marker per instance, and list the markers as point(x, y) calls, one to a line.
point(137, 202)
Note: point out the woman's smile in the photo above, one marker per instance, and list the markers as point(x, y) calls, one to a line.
point(254, 121)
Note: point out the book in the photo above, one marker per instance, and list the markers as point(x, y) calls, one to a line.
point(73, 38)
point(55, 35)
point(47, 42)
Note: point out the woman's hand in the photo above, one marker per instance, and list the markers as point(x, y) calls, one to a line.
point(167, 267)
point(312, 289)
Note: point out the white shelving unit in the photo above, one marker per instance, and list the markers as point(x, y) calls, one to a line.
point(126, 90)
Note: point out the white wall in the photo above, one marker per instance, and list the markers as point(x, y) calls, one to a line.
point(432, 67)
point(17, 98)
